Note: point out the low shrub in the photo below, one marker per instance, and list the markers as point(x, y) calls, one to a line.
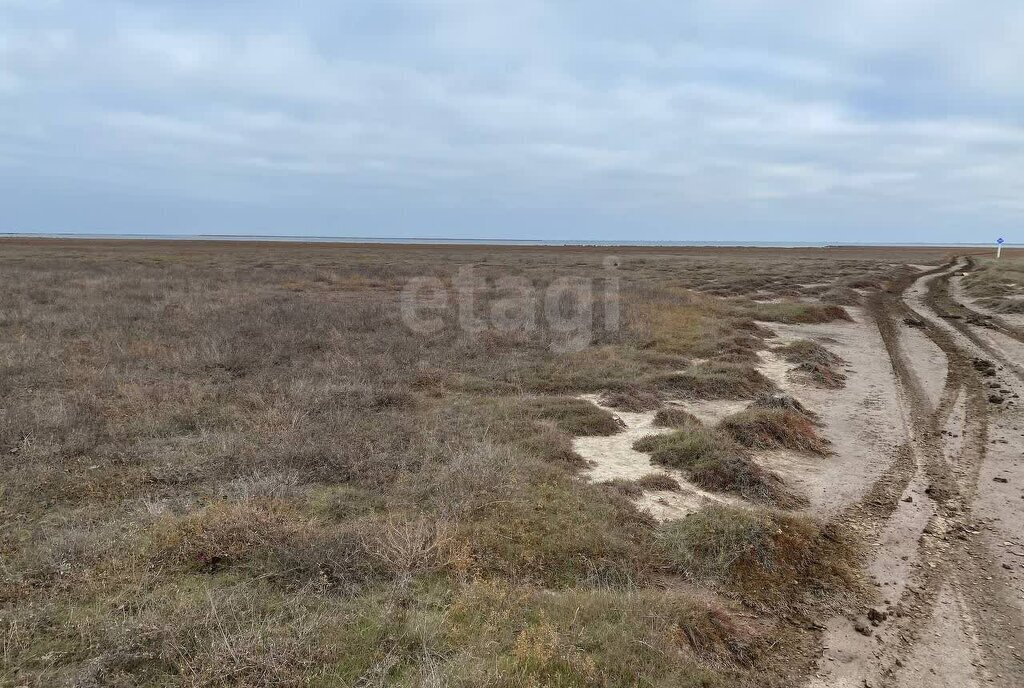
point(820, 375)
point(517, 637)
point(675, 417)
point(762, 556)
point(796, 312)
point(808, 351)
point(712, 460)
point(738, 474)
point(714, 381)
point(575, 416)
point(759, 428)
point(783, 402)
point(814, 363)
point(632, 399)
point(684, 448)
point(655, 482)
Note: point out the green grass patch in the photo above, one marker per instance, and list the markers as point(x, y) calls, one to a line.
point(712, 460)
point(762, 556)
point(795, 312)
point(575, 416)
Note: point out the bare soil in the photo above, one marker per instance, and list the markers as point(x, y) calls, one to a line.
point(952, 613)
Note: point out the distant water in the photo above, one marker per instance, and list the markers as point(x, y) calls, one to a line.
point(480, 242)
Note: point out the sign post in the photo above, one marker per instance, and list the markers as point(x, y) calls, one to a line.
point(999, 247)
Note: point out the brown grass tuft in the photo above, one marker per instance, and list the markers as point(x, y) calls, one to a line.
point(759, 428)
point(575, 416)
point(764, 557)
point(655, 482)
point(675, 417)
point(715, 381)
point(632, 399)
point(715, 462)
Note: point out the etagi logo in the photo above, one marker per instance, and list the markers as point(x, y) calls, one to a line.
point(564, 310)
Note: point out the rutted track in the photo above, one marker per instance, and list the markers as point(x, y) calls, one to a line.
point(955, 618)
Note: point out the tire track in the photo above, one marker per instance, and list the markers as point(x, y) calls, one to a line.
point(939, 556)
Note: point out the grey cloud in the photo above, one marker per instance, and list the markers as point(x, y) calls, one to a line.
point(569, 119)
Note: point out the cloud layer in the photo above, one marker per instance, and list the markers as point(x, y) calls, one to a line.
point(868, 121)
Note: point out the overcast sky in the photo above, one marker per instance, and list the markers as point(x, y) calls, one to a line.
point(894, 120)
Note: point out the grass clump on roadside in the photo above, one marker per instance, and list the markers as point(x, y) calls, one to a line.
point(841, 296)
point(761, 556)
point(519, 637)
point(542, 427)
point(653, 482)
point(714, 381)
point(814, 363)
point(796, 312)
point(819, 375)
point(675, 417)
point(712, 460)
point(761, 428)
point(783, 401)
point(998, 286)
point(632, 399)
point(808, 351)
point(575, 416)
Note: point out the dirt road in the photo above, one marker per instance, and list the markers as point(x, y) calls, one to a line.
point(947, 518)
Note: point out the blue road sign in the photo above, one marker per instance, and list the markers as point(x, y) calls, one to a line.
point(999, 240)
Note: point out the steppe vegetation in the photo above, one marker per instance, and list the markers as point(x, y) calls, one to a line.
point(232, 464)
point(998, 285)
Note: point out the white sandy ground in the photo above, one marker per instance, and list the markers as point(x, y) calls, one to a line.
point(711, 411)
point(861, 420)
point(848, 656)
point(955, 427)
point(950, 652)
point(927, 362)
point(1001, 504)
point(931, 663)
point(613, 457)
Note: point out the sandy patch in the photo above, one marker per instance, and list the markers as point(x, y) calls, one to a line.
point(926, 360)
point(897, 552)
point(613, 458)
point(942, 659)
point(863, 421)
point(712, 411)
point(775, 367)
point(954, 429)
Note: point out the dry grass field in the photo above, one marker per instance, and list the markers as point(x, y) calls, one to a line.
point(234, 464)
point(999, 285)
